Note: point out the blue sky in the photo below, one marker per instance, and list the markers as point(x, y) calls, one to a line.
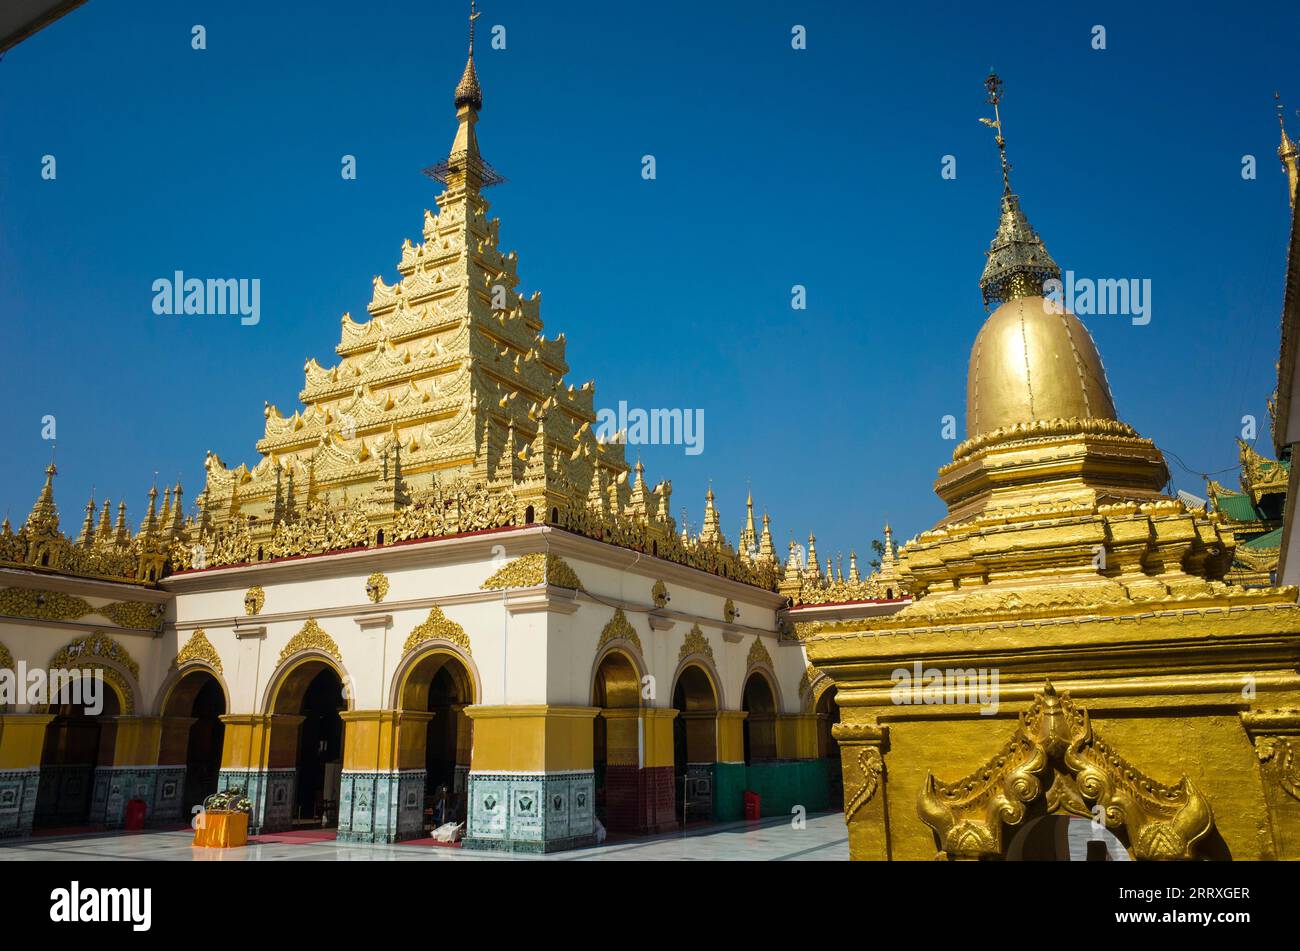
point(775, 167)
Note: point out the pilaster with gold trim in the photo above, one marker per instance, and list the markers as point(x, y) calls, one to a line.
point(862, 748)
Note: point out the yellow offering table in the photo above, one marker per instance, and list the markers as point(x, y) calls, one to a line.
point(222, 830)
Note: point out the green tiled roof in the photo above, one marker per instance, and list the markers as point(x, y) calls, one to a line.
point(1238, 507)
point(1269, 540)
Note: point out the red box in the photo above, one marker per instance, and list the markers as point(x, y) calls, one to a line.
point(134, 820)
point(753, 805)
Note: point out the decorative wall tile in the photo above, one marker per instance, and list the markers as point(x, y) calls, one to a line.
point(18, 792)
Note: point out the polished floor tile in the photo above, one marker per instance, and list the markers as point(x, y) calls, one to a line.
point(822, 838)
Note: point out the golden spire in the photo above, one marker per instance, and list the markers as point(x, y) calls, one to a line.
point(44, 517)
point(105, 523)
point(87, 537)
point(178, 510)
point(748, 536)
point(464, 167)
point(1018, 262)
point(1288, 153)
point(120, 533)
point(712, 530)
point(766, 550)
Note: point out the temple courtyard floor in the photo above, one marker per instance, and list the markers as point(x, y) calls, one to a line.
point(823, 837)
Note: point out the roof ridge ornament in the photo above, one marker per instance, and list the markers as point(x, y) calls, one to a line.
point(1018, 263)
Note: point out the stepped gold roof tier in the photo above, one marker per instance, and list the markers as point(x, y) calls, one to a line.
point(447, 412)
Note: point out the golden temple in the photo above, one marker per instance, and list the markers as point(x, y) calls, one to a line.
point(439, 598)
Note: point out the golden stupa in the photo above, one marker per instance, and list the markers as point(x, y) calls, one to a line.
point(1073, 678)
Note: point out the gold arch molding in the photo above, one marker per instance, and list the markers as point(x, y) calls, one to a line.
point(1056, 762)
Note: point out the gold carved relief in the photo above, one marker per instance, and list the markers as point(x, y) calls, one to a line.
point(254, 598)
point(377, 587)
point(42, 605)
point(1279, 762)
point(311, 637)
point(758, 655)
point(100, 652)
point(97, 645)
point(1055, 754)
point(530, 571)
point(144, 617)
point(863, 766)
point(659, 594)
point(619, 627)
point(437, 627)
point(198, 648)
point(695, 643)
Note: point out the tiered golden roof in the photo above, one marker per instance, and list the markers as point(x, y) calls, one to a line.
point(448, 411)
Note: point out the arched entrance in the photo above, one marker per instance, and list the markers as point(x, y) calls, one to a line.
point(828, 748)
point(1065, 838)
point(79, 738)
point(695, 743)
point(307, 734)
point(616, 741)
point(437, 734)
point(759, 728)
point(193, 733)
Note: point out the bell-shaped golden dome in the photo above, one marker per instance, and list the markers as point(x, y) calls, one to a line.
point(1033, 361)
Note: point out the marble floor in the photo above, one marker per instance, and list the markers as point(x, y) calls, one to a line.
point(823, 838)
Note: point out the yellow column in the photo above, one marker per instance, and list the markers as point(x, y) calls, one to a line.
point(246, 741)
point(658, 736)
point(532, 738)
point(370, 739)
point(136, 741)
point(22, 737)
point(796, 736)
point(731, 736)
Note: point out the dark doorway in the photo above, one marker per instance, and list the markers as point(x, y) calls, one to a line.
point(203, 753)
point(320, 752)
point(694, 744)
point(76, 741)
point(445, 704)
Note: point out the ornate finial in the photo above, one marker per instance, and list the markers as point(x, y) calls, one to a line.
point(1288, 152)
point(994, 85)
point(468, 92)
point(1018, 262)
point(464, 167)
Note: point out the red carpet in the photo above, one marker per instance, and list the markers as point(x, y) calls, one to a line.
point(295, 837)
